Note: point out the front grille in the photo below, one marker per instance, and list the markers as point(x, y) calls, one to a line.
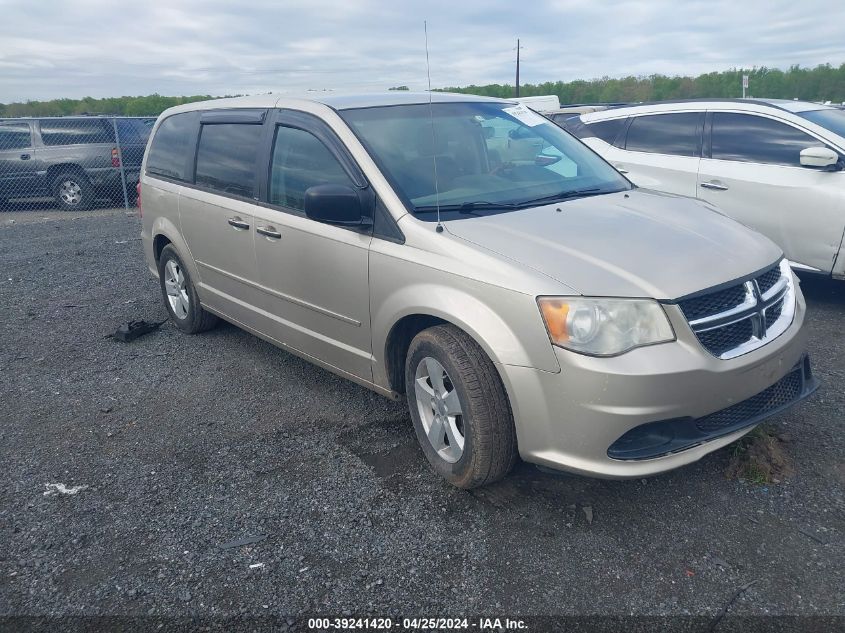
point(706, 305)
point(768, 279)
point(720, 340)
point(786, 390)
point(734, 320)
point(773, 313)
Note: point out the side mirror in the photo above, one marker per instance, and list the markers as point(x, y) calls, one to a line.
point(819, 157)
point(335, 204)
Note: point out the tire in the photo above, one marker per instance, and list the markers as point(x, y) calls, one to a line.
point(73, 191)
point(184, 308)
point(485, 422)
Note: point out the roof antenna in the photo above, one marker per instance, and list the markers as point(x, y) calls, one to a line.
point(439, 227)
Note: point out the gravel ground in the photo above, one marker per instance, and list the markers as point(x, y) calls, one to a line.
point(180, 447)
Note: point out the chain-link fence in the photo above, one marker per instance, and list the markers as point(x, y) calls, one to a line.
point(71, 163)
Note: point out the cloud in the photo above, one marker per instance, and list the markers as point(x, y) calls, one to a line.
point(101, 48)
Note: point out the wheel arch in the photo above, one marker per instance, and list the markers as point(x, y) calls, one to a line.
point(478, 320)
point(164, 232)
point(54, 171)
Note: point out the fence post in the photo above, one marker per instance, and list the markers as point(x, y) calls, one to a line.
point(122, 166)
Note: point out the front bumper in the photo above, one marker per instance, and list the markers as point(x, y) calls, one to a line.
point(573, 419)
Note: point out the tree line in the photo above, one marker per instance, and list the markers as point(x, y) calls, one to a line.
point(822, 83)
point(150, 105)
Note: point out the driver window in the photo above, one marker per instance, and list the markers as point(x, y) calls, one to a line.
point(300, 160)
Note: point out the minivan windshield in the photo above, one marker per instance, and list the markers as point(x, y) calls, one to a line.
point(832, 119)
point(489, 157)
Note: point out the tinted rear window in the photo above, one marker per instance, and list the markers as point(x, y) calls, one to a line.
point(676, 134)
point(134, 130)
point(76, 131)
point(171, 144)
point(607, 130)
point(15, 136)
point(756, 139)
point(226, 157)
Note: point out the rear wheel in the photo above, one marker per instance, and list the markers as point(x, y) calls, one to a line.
point(180, 296)
point(73, 191)
point(460, 411)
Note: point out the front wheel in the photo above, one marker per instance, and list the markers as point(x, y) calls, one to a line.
point(460, 411)
point(180, 296)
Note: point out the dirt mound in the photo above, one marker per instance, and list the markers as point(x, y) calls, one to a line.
point(760, 457)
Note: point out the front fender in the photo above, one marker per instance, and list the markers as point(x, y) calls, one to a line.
point(506, 324)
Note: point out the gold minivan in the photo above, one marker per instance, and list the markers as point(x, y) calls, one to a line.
point(527, 304)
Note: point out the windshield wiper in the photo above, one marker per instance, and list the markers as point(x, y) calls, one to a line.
point(566, 195)
point(469, 207)
point(484, 205)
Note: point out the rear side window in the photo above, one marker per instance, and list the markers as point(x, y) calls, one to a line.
point(755, 139)
point(226, 157)
point(173, 141)
point(607, 130)
point(134, 130)
point(76, 131)
point(15, 136)
point(675, 134)
point(300, 160)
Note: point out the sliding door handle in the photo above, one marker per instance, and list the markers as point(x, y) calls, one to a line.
point(715, 186)
point(268, 231)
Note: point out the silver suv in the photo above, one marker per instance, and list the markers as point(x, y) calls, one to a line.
point(526, 298)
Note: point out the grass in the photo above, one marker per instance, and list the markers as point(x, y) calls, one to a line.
point(760, 457)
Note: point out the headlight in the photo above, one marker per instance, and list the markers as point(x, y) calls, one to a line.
point(604, 327)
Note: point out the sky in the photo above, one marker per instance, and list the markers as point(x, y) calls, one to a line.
point(100, 48)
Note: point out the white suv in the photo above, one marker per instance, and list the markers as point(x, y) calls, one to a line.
point(777, 166)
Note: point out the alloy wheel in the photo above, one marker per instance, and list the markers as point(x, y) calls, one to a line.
point(175, 287)
point(440, 409)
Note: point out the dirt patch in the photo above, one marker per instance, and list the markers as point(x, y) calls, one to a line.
point(760, 457)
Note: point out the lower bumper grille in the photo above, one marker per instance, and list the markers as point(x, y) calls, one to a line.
point(780, 394)
point(657, 439)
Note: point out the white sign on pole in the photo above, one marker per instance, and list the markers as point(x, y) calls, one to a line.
point(745, 81)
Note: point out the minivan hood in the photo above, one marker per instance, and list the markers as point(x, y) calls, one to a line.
point(638, 243)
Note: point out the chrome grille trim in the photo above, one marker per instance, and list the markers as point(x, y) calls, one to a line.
point(749, 303)
point(753, 308)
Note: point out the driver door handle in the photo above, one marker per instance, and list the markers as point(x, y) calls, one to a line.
point(714, 185)
point(238, 224)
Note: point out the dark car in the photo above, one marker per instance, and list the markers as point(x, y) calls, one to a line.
point(74, 160)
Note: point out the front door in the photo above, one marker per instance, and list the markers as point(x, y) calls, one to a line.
point(314, 275)
point(751, 171)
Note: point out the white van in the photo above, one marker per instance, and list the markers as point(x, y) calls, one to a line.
point(542, 103)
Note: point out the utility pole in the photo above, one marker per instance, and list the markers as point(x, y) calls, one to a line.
point(517, 66)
